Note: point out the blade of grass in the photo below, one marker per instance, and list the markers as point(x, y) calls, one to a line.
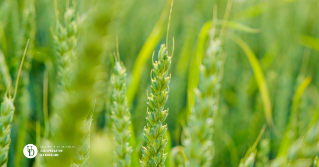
point(196, 60)
point(260, 79)
point(146, 53)
point(241, 27)
point(288, 138)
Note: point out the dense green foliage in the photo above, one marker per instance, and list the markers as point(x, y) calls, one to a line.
point(196, 108)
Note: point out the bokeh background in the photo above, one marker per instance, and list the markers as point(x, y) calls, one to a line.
point(283, 35)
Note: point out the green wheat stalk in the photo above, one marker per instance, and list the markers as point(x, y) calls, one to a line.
point(153, 153)
point(121, 117)
point(198, 133)
point(7, 112)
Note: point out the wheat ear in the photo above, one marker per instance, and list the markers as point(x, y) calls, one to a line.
point(198, 134)
point(121, 117)
point(302, 152)
point(65, 38)
point(153, 152)
point(7, 112)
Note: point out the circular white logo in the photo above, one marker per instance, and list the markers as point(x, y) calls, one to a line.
point(30, 151)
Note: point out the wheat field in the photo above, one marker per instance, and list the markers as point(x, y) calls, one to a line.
point(175, 83)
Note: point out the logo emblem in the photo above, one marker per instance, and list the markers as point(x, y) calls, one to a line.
point(30, 151)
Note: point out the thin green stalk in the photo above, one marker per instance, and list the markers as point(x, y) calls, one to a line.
point(153, 153)
point(261, 82)
point(28, 32)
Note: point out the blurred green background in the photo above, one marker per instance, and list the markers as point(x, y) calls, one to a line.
point(286, 46)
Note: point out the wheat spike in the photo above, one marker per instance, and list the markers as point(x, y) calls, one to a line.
point(153, 153)
point(121, 117)
point(198, 134)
